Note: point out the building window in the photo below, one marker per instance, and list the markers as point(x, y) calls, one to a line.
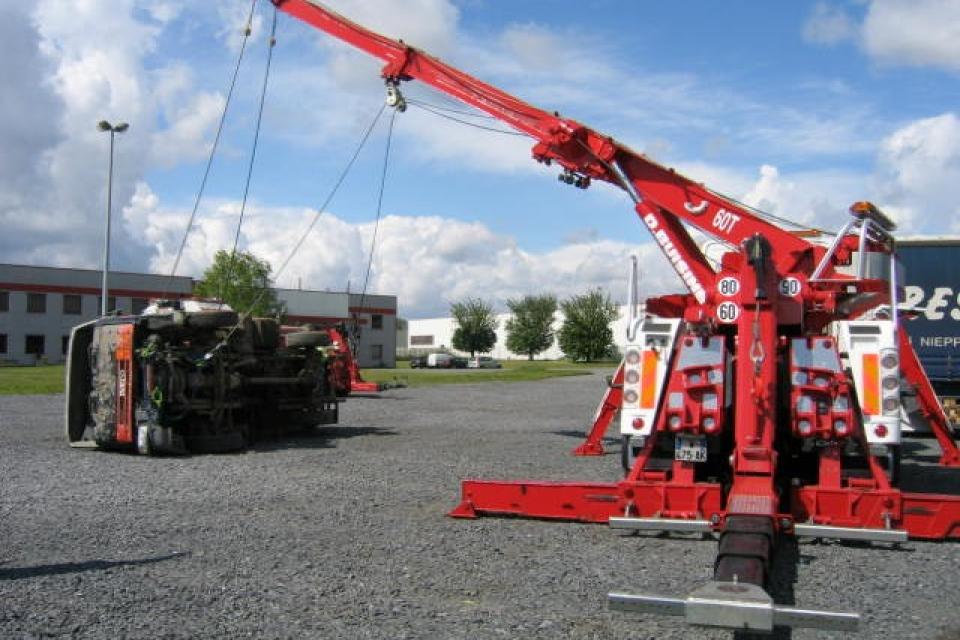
point(421, 341)
point(36, 303)
point(139, 304)
point(64, 343)
point(376, 352)
point(376, 321)
point(33, 345)
point(111, 303)
point(4, 301)
point(3, 343)
point(72, 304)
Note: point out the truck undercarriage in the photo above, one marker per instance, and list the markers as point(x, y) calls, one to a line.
point(177, 380)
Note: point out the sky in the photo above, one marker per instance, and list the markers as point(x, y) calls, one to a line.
point(797, 108)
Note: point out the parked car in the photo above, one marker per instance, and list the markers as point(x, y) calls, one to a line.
point(483, 362)
point(440, 360)
point(418, 362)
point(459, 363)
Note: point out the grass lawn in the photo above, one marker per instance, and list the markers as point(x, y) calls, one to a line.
point(512, 371)
point(49, 378)
point(31, 380)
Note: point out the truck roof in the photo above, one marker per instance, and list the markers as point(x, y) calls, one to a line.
point(937, 241)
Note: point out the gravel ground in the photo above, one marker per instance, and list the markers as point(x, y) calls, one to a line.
point(342, 534)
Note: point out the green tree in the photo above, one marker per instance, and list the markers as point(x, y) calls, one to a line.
point(585, 333)
point(476, 325)
point(242, 281)
point(530, 330)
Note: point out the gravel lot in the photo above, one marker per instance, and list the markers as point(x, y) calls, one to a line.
point(342, 534)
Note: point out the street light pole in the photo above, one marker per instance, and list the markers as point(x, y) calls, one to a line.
point(103, 125)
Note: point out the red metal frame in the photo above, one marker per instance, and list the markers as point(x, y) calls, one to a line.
point(762, 254)
point(355, 381)
point(125, 399)
point(608, 408)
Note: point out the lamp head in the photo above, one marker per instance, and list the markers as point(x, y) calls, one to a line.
point(103, 125)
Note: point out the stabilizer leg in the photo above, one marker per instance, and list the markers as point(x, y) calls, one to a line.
point(609, 405)
point(929, 405)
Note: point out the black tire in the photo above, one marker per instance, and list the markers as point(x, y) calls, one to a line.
point(308, 339)
point(266, 333)
point(212, 319)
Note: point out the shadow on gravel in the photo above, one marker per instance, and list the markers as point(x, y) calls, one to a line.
point(375, 396)
point(581, 434)
point(19, 573)
point(319, 438)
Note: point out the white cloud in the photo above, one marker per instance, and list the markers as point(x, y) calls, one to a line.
point(67, 65)
point(828, 24)
point(811, 198)
point(427, 261)
point(426, 24)
point(894, 32)
point(186, 137)
point(914, 32)
point(533, 47)
point(918, 173)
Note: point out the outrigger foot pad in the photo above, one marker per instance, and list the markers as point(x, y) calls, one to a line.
point(734, 606)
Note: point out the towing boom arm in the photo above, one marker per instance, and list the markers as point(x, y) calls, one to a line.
point(664, 199)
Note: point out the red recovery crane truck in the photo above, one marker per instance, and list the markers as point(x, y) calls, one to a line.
point(756, 402)
point(344, 369)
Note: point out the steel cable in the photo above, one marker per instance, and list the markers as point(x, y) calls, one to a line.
point(213, 150)
point(253, 156)
point(376, 224)
point(430, 109)
point(313, 223)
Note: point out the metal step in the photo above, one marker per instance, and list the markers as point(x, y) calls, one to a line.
point(733, 606)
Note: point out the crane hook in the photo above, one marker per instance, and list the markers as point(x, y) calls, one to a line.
point(395, 99)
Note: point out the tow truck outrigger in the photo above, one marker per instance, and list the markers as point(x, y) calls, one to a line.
point(755, 402)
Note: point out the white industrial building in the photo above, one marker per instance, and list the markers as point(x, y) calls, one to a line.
point(39, 306)
point(436, 334)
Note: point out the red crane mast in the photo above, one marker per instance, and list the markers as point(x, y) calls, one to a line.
point(755, 345)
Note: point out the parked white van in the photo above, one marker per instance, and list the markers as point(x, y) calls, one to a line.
point(440, 360)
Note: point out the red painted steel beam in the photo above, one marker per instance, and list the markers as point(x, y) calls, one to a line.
point(922, 516)
point(574, 146)
point(609, 405)
point(580, 502)
point(929, 405)
point(587, 501)
point(927, 516)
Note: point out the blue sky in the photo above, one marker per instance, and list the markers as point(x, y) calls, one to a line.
point(799, 108)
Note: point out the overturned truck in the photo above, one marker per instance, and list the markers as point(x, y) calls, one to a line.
point(192, 377)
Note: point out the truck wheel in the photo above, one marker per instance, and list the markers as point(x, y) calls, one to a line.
point(308, 339)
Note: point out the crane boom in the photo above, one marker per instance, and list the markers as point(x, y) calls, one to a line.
point(755, 407)
point(664, 199)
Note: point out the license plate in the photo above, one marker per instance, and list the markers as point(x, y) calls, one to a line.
point(690, 449)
